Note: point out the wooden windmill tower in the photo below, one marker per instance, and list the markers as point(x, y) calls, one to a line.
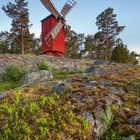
point(53, 28)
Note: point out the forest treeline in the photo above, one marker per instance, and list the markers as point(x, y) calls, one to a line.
point(104, 45)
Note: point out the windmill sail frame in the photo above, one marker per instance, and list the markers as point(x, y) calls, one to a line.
point(68, 7)
point(50, 6)
point(54, 32)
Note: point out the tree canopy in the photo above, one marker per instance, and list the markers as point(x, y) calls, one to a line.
point(108, 25)
point(122, 55)
point(19, 14)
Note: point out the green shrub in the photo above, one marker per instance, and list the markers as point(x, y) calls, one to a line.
point(110, 134)
point(43, 117)
point(43, 65)
point(121, 54)
point(13, 73)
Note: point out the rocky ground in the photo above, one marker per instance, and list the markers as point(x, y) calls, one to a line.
point(106, 95)
point(30, 62)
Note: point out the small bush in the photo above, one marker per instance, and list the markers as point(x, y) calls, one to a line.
point(43, 65)
point(13, 73)
point(41, 118)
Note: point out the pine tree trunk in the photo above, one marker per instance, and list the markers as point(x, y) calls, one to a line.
point(90, 53)
point(22, 42)
point(106, 55)
point(107, 48)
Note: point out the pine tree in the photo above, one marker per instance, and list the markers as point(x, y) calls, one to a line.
point(72, 43)
point(5, 42)
point(107, 24)
point(81, 40)
point(133, 58)
point(100, 46)
point(89, 45)
point(19, 14)
point(120, 54)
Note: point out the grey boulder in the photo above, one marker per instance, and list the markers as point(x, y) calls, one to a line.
point(37, 76)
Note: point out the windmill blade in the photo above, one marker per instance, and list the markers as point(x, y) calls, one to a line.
point(50, 6)
point(68, 7)
point(54, 32)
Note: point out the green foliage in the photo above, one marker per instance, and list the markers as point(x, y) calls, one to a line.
point(110, 134)
point(59, 75)
point(8, 85)
point(39, 118)
point(13, 73)
point(74, 43)
point(21, 37)
point(108, 25)
point(122, 55)
point(107, 116)
point(44, 65)
point(100, 46)
point(89, 45)
point(132, 58)
point(4, 42)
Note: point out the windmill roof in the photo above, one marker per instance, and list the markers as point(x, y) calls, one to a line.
point(47, 17)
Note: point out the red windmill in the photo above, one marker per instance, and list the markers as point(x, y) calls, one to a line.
point(53, 29)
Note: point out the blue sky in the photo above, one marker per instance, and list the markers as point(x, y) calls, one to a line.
point(83, 17)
